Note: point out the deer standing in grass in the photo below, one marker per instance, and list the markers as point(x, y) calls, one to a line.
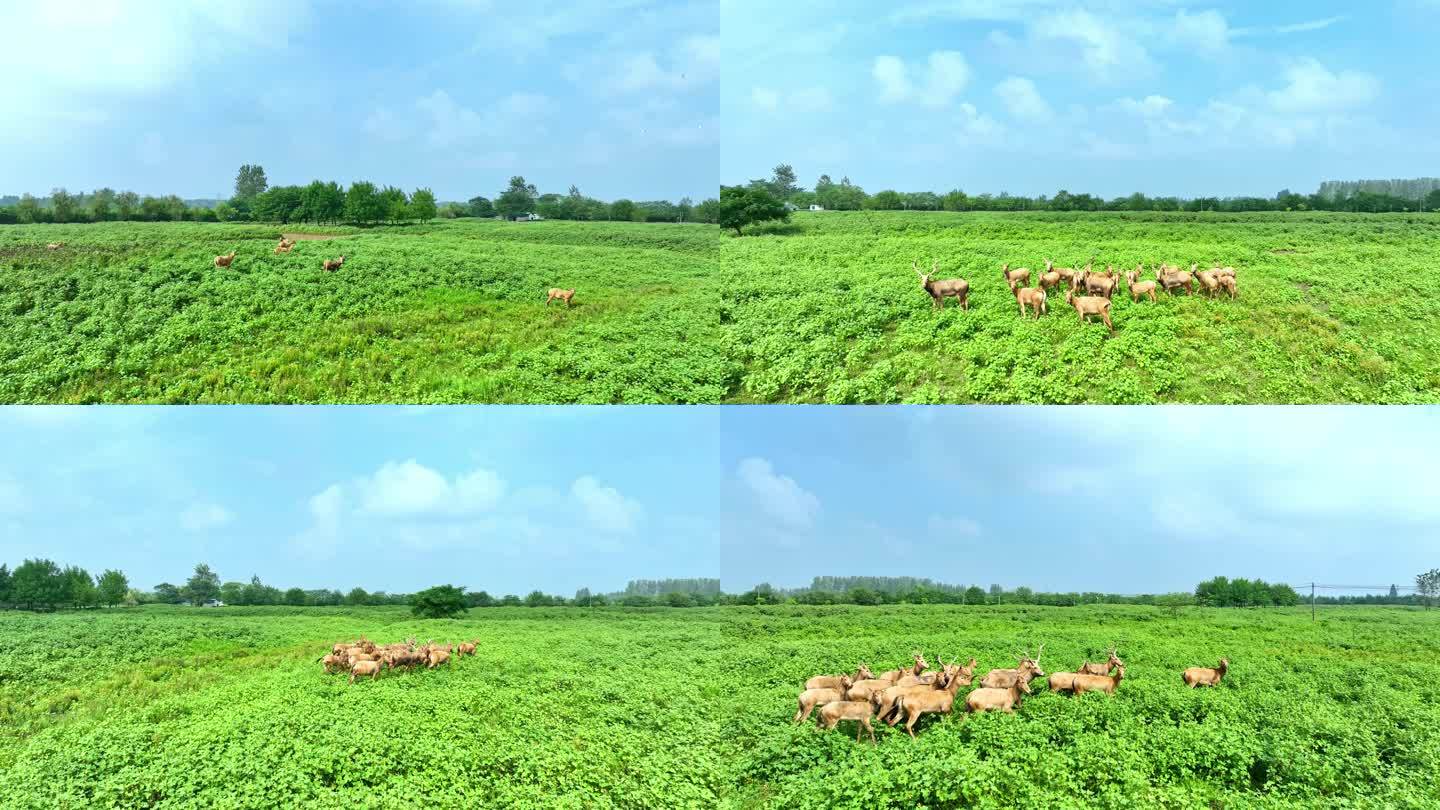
point(1103, 668)
point(811, 698)
point(1206, 676)
point(557, 293)
point(224, 261)
point(1087, 305)
point(939, 700)
point(331, 265)
point(1033, 297)
point(940, 289)
point(860, 710)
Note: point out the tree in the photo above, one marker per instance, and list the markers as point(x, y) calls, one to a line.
point(125, 204)
point(538, 599)
point(741, 206)
point(113, 586)
point(886, 201)
point(101, 202)
point(1174, 602)
point(167, 594)
point(295, 597)
point(684, 209)
point(362, 203)
point(1432, 200)
point(782, 182)
point(422, 204)
point(582, 597)
point(708, 211)
point(510, 600)
point(27, 210)
point(233, 593)
point(481, 207)
point(678, 599)
point(4, 585)
point(63, 204)
point(974, 595)
point(863, 596)
point(1426, 584)
point(517, 199)
point(479, 599)
point(622, 210)
point(38, 585)
point(394, 206)
point(439, 602)
point(202, 586)
point(250, 182)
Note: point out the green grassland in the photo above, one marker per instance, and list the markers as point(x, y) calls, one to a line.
point(1331, 308)
point(1344, 712)
point(176, 707)
point(445, 312)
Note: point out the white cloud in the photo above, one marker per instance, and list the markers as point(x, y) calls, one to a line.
point(450, 122)
point(1149, 107)
point(1311, 87)
point(942, 79)
point(802, 100)
point(1022, 99)
point(1104, 50)
point(605, 507)
point(1205, 31)
point(322, 537)
point(974, 128)
point(1309, 25)
point(202, 517)
point(779, 496)
point(411, 488)
point(765, 98)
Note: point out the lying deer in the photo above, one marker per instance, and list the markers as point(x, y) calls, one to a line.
point(563, 295)
point(1085, 306)
point(331, 265)
point(957, 288)
point(1033, 297)
point(832, 713)
point(55, 246)
point(224, 261)
point(1205, 676)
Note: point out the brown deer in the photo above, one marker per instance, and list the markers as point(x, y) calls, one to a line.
point(1172, 278)
point(811, 698)
point(557, 293)
point(1080, 682)
point(832, 713)
point(939, 700)
point(1113, 661)
point(224, 261)
point(1139, 289)
point(1048, 280)
point(1205, 676)
point(1086, 306)
point(55, 246)
point(992, 698)
point(1028, 670)
point(887, 701)
point(894, 675)
point(957, 288)
point(862, 672)
point(1100, 283)
point(285, 246)
point(1019, 274)
point(1066, 274)
point(1209, 282)
point(1227, 283)
point(1033, 297)
point(363, 668)
point(331, 265)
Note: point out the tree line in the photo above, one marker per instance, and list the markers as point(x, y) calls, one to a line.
point(361, 203)
point(1366, 196)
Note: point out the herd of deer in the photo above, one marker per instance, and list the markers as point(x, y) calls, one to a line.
point(1096, 287)
point(363, 657)
point(910, 692)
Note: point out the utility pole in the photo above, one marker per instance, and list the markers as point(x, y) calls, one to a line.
point(1312, 601)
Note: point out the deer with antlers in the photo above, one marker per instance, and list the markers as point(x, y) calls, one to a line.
point(940, 289)
point(1028, 670)
point(1104, 668)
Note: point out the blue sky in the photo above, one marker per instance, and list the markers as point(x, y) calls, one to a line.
point(507, 499)
point(1106, 96)
point(386, 498)
point(1127, 500)
point(172, 96)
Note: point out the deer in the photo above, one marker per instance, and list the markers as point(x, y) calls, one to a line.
point(1172, 278)
point(1205, 676)
point(1227, 283)
point(991, 698)
point(557, 293)
point(811, 698)
point(1139, 289)
point(1048, 280)
point(331, 265)
point(1086, 305)
point(363, 668)
point(862, 672)
point(54, 245)
point(939, 700)
point(1080, 682)
point(895, 674)
point(285, 246)
point(1019, 274)
point(887, 701)
point(1066, 274)
point(1223, 271)
point(957, 288)
point(224, 261)
point(1033, 297)
point(1088, 668)
point(1209, 282)
point(1028, 670)
point(832, 713)
point(1101, 283)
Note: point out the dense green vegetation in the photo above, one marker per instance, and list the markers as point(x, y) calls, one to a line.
point(1331, 308)
point(452, 311)
point(169, 707)
point(1342, 712)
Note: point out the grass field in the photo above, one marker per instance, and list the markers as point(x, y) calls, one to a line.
point(1331, 308)
point(177, 707)
point(445, 312)
point(1341, 713)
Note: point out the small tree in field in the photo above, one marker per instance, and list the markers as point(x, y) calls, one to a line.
point(1174, 602)
point(1428, 586)
point(741, 206)
point(422, 204)
point(439, 602)
point(113, 586)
